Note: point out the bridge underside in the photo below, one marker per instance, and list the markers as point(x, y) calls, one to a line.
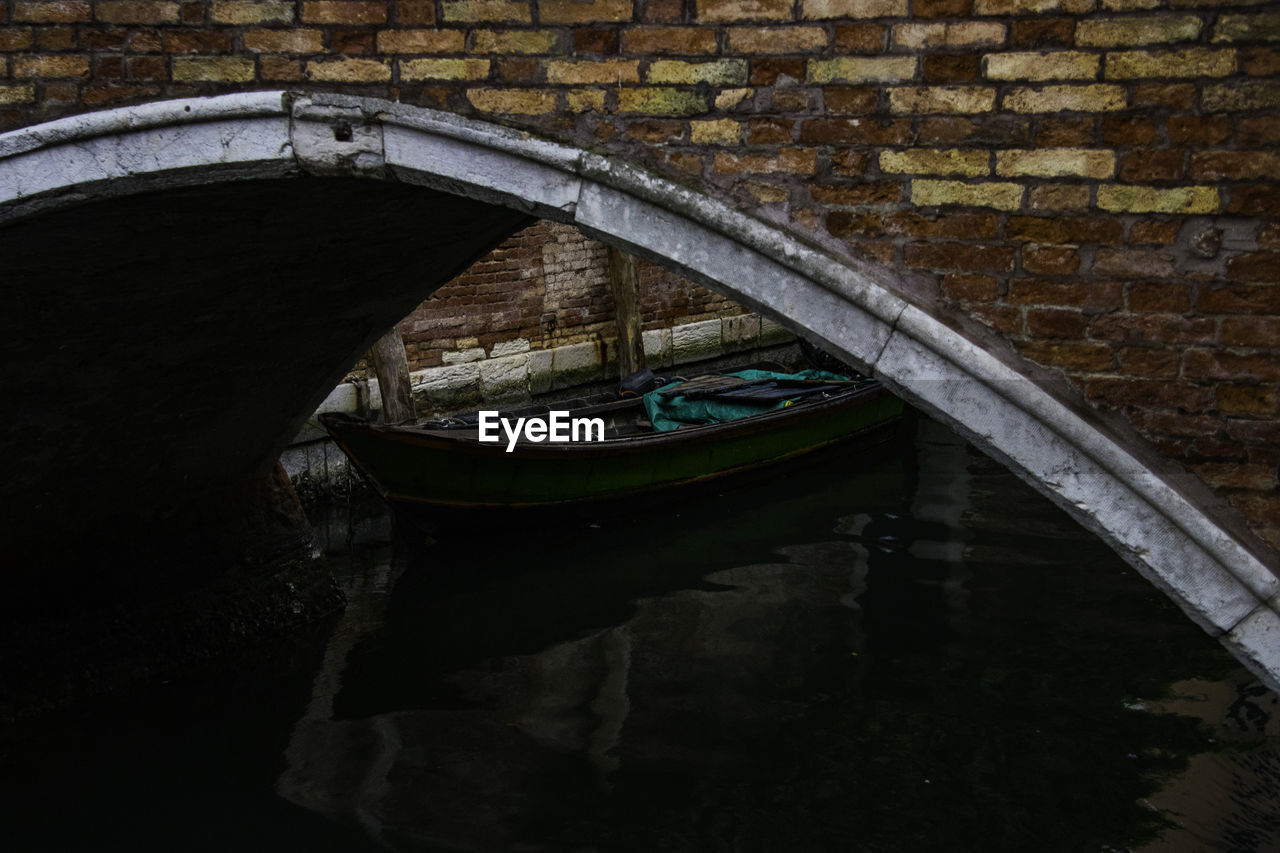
point(138, 317)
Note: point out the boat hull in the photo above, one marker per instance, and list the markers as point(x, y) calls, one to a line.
point(419, 467)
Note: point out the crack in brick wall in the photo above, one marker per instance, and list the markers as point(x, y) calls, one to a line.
point(1096, 180)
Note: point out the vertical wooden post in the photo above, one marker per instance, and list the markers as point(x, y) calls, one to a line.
point(391, 366)
point(625, 284)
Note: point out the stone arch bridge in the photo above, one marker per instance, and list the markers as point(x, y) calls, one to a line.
point(1051, 223)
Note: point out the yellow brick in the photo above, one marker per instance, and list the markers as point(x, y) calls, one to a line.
point(1192, 62)
point(1126, 199)
point(225, 69)
point(923, 161)
point(730, 98)
point(241, 12)
point(284, 41)
point(765, 193)
point(443, 69)
point(421, 41)
point(857, 69)
point(860, 9)
point(661, 101)
point(766, 40)
point(723, 72)
point(486, 11)
point(1247, 28)
point(1052, 99)
point(136, 12)
point(585, 100)
point(606, 71)
point(942, 99)
point(1246, 95)
point(1121, 32)
point(512, 101)
point(1001, 196)
point(720, 11)
point(919, 36)
point(513, 41)
point(1056, 163)
point(723, 131)
point(584, 11)
point(55, 66)
point(20, 94)
point(1034, 7)
point(1059, 65)
point(350, 70)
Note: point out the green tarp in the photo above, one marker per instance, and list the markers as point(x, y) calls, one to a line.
point(676, 411)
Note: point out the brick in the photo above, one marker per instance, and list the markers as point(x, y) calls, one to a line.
point(661, 101)
point(1255, 299)
point(222, 69)
point(584, 11)
point(1149, 363)
point(1131, 5)
point(855, 131)
point(1191, 62)
point(726, 11)
point(1227, 475)
point(1064, 229)
point(847, 69)
point(769, 131)
point(145, 68)
point(1055, 163)
point(857, 195)
point(967, 287)
point(347, 12)
point(1241, 95)
point(520, 69)
point(24, 93)
point(1030, 7)
point(413, 70)
point(197, 41)
point(1001, 196)
point(1132, 263)
point(279, 68)
point(942, 8)
point(847, 100)
point(1241, 27)
point(1149, 393)
point(1260, 61)
point(729, 99)
point(1074, 293)
point(351, 42)
point(1152, 329)
point(1050, 260)
point(723, 72)
point(595, 40)
point(1058, 197)
point(421, 41)
point(1153, 231)
point(669, 40)
point(512, 101)
point(857, 9)
point(1258, 266)
point(848, 163)
point(860, 38)
point(774, 71)
point(950, 67)
point(789, 100)
point(603, 71)
point(715, 132)
point(942, 99)
point(1129, 130)
point(1251, 331)
point(1078, 357)
point(1145, 29)
point(284, 41)
point(13, 38)
point(1228, 364)
point(1235, 165)
point(921, 161)
point(766, 40)
point(1052, 99)
point(1152, 165)
point(1176, 96)
point(959, 256)
point(1160, 297)
point(955, 225)
point(415, 13)
point(347, 70)
point(995, 130)
point(63, 12)
point(507, 41)
point(136, 12)
point(1055, 323)
point(56, 66)
point(1042, 33)
point(790, 161)
point(1141, 199)
point(1254, 199)
point(56, 38)
point(242, 12)
point(924, 36)
point(1035, 66)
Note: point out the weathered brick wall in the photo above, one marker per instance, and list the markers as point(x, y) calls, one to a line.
point(547, 285)
point(1098, 180)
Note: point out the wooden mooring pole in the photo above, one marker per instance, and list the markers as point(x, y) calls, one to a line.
point(391, 366)
point(624, 282)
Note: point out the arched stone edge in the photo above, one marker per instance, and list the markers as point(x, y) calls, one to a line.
point(1212, 574)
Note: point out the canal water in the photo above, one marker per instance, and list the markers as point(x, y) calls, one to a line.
point(901, 649)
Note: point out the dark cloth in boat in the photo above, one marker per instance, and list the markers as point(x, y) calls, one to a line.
point(669, 411)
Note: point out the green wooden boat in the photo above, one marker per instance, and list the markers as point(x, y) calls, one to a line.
point(445, 465)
